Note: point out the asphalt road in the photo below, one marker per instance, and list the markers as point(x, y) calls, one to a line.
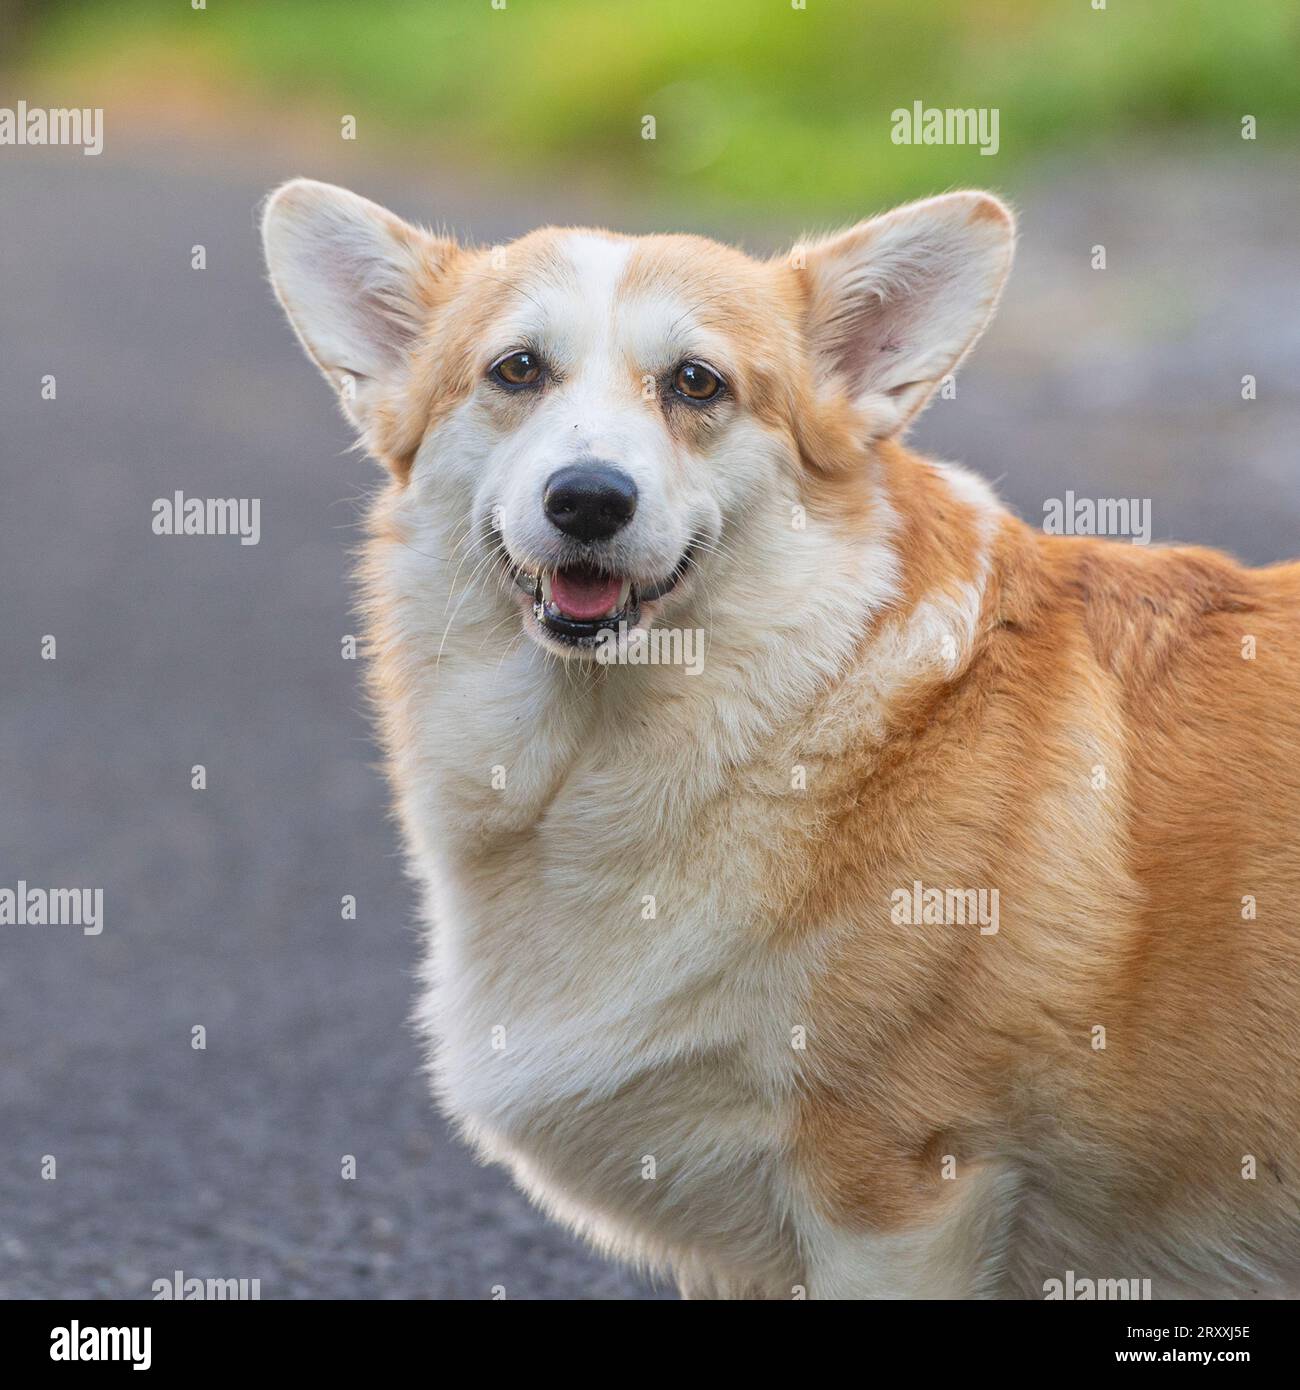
point(222, 906)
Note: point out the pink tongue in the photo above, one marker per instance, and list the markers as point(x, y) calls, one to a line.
point(581, 595)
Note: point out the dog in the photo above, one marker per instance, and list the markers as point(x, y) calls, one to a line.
point(936, 935)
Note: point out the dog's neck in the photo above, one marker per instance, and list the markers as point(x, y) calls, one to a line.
point(798, 618)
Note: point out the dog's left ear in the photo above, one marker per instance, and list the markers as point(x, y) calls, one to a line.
point(893, 304)
point(359, 286)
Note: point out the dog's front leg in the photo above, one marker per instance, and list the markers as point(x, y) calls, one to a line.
point(959, 1251)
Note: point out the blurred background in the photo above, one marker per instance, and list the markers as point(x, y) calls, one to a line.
point(1119, 128)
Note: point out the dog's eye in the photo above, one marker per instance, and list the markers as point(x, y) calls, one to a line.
point(518, 369)
point(696, 382)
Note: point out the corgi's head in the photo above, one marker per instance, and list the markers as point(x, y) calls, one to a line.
point(609, 418)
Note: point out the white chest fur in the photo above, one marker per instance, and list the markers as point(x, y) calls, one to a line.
point(606, 1014)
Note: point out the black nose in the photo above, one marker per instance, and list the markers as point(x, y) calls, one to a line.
point(590, 501)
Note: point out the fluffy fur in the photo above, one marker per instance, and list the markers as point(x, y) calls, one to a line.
point(664, 982)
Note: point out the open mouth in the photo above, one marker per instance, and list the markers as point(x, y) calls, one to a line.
point(576, 603)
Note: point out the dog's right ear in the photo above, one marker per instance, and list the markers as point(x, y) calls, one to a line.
point(359, 286)
point(895, 303)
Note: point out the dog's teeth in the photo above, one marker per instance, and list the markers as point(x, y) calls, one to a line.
point(544, 587)
point(621, 602)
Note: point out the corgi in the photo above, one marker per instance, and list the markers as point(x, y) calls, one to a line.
point(937, 933)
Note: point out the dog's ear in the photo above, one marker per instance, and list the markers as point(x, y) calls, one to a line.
point(359, 286)
point(893, 304)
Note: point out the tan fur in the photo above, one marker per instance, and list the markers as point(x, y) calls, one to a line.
point(968, 704)
point(1121, 907)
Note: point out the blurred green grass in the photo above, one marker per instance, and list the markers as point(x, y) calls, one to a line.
point(756, 102)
